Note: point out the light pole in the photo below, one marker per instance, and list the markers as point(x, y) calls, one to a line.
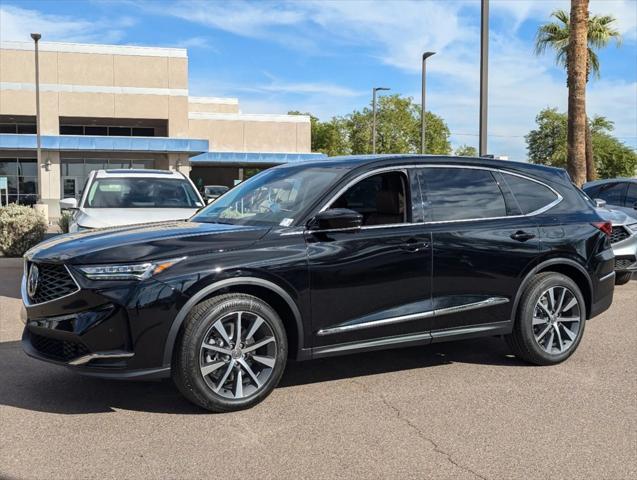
point(425, 56)
point(374, 90)
point(484, 75)
point(36, 37)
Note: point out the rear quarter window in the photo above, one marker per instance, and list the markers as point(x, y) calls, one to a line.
point(531, 196)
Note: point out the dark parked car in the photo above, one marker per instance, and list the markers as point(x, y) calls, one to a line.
point(619, 193)
point(325, 258)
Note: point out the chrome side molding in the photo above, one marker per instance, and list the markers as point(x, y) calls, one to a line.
point(491, 301)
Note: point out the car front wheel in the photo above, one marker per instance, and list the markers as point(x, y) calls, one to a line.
point(231, 353)
point(550, 321)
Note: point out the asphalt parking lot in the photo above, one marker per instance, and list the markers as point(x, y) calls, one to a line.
point(464, 410)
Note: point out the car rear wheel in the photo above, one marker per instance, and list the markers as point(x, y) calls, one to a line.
point(550, 321)
point(231, 354)
point(621, 278)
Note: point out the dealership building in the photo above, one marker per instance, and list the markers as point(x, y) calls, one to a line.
point(111, 106)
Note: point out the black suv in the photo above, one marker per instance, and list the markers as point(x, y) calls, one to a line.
point(325, 258)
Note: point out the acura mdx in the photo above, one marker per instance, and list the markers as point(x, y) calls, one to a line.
point(323, 258)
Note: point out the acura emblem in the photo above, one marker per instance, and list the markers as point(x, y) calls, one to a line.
point(32, 280)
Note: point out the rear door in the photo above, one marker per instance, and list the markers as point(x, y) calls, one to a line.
point(482, 245)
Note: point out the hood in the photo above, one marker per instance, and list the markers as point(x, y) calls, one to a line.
point(140, 243)
point(113, 217)
point(616, 217)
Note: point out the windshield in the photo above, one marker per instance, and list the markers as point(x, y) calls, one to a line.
point(274, 197)
point(144, 192)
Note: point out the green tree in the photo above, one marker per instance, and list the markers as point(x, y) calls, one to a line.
point(555, 36)
point(547, 144)
point(466, 151)
point(397, 128)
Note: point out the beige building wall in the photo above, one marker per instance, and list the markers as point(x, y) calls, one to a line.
point(96, 81)
point(213, 104)
point(237, 132)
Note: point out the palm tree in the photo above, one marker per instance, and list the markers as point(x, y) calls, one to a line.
point(555, 35)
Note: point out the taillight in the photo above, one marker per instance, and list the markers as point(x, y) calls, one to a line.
point(605, 227)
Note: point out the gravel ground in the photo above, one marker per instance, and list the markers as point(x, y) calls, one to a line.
point(465, 410)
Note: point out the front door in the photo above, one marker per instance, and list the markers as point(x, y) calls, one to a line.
point(374, 282)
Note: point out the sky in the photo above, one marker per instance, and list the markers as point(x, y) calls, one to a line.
point(324, 57)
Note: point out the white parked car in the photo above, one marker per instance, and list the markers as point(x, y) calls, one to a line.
point(125, 197)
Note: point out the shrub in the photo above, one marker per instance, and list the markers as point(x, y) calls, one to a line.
point(64, 221)
point(20, 228)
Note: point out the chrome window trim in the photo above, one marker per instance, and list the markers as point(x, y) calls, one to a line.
point(25, 296)
point(405, 169)
point(414, 316)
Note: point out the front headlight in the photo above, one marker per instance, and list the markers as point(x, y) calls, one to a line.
point(140, 271)
point(632, 227)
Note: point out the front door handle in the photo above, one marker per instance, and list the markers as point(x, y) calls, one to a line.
point(522, 236)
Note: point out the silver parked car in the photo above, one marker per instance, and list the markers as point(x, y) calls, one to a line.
point(126, 197)
point(618, 193)
point(623, 239)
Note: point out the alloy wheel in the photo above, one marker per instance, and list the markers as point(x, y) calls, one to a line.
point(557, 320)
point(238, 354)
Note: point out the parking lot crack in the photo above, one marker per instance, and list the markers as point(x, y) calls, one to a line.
point(400, 416)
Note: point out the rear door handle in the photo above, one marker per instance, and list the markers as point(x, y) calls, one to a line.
point(522, 236)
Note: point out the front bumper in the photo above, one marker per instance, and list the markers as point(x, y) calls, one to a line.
point(117, 330)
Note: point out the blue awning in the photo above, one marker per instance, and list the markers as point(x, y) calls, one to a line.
point(251, 158)
point(9, 141)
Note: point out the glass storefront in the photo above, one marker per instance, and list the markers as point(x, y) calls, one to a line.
point(22, 179)
point(75, 171)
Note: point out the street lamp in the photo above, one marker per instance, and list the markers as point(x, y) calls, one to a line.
point(484, 75)
point(425, 56)
point(36, 37)
point(374, 90)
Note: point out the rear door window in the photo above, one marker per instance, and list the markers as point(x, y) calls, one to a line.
point(531, 196)
point(461, 194)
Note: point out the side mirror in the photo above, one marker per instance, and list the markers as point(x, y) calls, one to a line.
point(68, 204)
point(336, 219)
point(599, 203)
point(635, 205)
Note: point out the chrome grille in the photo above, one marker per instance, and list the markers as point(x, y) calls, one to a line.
point(619, 234)
point(54, 281)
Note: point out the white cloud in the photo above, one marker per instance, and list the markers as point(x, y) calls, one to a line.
point(17, 23)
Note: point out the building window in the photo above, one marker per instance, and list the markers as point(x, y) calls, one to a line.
point(17, 124)
point(106, 131)
point(22, 179)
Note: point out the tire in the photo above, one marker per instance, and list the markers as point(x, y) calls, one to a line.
point(621, 278)
point(559, 335)
point(210, 370)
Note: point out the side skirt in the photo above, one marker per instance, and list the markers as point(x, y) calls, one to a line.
point(411, 340)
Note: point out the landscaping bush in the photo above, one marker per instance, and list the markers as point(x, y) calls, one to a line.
point(64, 221)
point(20, 228)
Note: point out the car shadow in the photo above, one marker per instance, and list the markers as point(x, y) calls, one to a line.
point(33, 385)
